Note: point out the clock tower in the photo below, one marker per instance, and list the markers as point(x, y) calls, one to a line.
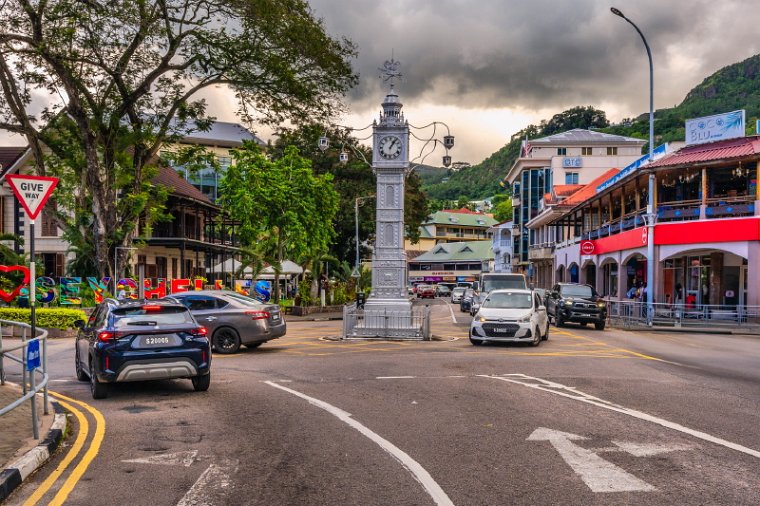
point(390, 163)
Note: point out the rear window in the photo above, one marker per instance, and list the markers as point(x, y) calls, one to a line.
point(248, 301)
point(140, 317)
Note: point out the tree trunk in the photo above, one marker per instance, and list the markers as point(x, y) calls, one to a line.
point(278, 268)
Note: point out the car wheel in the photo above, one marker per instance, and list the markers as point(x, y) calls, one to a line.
point(226, 341)
point(97, 389)
point(546, 334)
point(81, 376)
point(475, 342)
point(599, 325)
point(201, 383)
point(536, 338)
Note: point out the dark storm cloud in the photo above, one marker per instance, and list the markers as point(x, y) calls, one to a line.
point(540, 54)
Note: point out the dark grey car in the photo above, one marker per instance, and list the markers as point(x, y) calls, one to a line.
point(233, 319)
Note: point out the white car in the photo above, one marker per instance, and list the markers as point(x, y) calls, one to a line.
point(457, 293)
point(511, 316)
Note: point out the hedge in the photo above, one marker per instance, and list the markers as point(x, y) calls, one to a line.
point(48, 318)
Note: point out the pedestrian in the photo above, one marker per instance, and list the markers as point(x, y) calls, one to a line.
point(121, 293)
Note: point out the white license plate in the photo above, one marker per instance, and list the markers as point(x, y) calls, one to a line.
point(500, 330)
point(275, 317)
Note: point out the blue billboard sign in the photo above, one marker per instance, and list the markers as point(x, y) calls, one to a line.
point(33, 355)
point(715, 128)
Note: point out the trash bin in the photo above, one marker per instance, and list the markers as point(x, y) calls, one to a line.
point(361, 298)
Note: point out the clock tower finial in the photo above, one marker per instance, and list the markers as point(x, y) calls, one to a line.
point(391, 115)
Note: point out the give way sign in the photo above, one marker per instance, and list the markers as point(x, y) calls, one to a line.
point(32, 191)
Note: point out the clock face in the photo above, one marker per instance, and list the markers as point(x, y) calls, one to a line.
point(389, 147)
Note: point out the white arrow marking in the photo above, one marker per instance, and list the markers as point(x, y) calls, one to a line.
point(211, 488)
point(649, 450)
point(597, 473)
point(168, 459)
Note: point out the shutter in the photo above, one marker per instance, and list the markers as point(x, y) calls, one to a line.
point(49, 228)
point(59, 264)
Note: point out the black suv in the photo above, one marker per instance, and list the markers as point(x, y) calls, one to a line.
point(139, 341)
point(571, 302)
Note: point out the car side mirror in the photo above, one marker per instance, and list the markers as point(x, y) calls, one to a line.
point(79, 324)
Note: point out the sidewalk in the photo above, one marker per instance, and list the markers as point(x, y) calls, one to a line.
point(20, 453)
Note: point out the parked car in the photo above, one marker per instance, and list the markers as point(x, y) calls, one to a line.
point(466, 302)
point(442, 291)
point(516, 316)
point(572, 302)
point(457, 293)
point(233, 319)
point(138, 341)
point(425, 292)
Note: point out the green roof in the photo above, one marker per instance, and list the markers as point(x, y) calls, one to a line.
point(464, 219)
point(457, 252)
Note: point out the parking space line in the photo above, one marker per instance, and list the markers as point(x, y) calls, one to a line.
point(419, 472)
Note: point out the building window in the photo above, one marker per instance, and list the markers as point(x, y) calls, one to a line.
point(49, 227)
point(571, 178)
point(611, 150)
point(562, 151)
point(586, 151)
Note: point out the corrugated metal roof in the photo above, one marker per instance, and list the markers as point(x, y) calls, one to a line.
point(458, 251)
point(581, 136)
point(713, 151)
point(564, 190)
point(470, 219)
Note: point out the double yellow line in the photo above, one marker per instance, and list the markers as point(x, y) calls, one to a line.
point(76, 448)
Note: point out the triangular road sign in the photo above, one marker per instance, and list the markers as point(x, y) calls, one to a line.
point(32, 191)
point(355, 273)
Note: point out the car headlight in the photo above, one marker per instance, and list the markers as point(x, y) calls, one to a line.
point(525, 318)
point(569, 302)
point(601, 304)
point(482, 319)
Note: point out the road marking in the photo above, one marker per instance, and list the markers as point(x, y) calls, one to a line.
point(418, 472)
point(572, 393)
point(647, 450)
point(168, 459)
point(84, 428)
point(597, 473)
point(97, 440)
point(453, 318)
point(212, 486)
point(394, 377)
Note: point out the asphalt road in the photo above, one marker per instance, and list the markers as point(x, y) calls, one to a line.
point(589, 417)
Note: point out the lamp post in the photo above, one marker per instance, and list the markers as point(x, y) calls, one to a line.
point(650, 216)
point(357, 201)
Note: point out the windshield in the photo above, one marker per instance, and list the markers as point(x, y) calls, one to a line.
point(502, 282)
point(509, 300)
point(577, 291)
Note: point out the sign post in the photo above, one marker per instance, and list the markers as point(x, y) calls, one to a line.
point(32, 193)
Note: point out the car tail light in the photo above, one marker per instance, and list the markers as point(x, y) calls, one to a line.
point(200, 331)
point(258, 315)
point(151, 307)
point(105, 336)
point(203, 356)
point(108, 362)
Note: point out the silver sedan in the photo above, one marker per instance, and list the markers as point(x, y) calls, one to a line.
point(233, 319)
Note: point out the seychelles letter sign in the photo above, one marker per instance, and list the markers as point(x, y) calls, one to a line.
point(715, 128)
point(32, 191)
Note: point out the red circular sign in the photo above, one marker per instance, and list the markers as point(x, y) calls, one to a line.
point(587, 248)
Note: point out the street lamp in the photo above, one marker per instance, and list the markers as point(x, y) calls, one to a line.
point(356, 216)
point(650, 216)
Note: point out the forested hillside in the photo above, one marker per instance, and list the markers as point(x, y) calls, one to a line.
point(733, 87)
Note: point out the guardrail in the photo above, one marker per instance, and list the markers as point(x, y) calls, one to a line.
point(386, 324)
point(634, 314)
point(30, 386)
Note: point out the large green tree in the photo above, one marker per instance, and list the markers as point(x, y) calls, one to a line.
point(281, 200)
point(98, 87)
point(353, 179)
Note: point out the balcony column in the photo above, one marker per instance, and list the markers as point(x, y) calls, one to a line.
point(753, 275)
point(703, 206)
point(757, 191)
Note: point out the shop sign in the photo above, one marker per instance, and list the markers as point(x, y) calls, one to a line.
point(631, 239)
point(657, 153)
point(694, 232)
point(587, 247)
point(574, 162)
point(443, 273)
point(715, 128)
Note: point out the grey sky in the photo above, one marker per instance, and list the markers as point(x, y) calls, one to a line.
point(535, 58)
